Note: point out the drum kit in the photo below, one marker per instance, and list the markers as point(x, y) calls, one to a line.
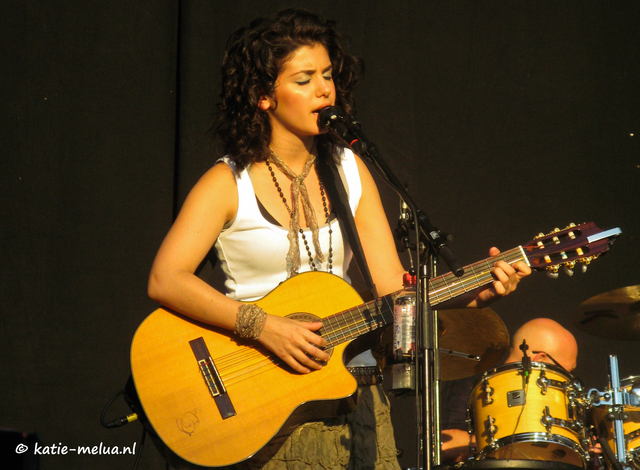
point(538, 415)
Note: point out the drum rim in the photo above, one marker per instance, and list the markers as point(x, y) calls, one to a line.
point(492, 464)
point(535, 437)
point(516, 365)
point(630, 382)
point(631, 377)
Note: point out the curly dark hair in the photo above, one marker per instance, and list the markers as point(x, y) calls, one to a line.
point(254, 57)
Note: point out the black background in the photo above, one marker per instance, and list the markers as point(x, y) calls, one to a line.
point(505, 119)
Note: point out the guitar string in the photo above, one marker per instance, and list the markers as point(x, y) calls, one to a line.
point(469, 281)
point(338, 335)
point(251, 372)
point(239, 358)
point(439, 285)
point(252, 360)
point(362, 324)
point(259, 363)
point(231, 361)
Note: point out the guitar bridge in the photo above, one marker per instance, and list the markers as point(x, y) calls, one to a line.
point(212, 378)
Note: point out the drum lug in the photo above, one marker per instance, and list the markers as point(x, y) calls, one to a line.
point(543, 383)
point(577, 386)
point(488, 392)
point(491, 430)
point(547, 420)
point(585, 443)
point(577, 426)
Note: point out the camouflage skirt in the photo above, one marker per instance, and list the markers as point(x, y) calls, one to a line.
point(360, 440)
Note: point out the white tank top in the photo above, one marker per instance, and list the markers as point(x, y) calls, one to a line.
point(252, 251)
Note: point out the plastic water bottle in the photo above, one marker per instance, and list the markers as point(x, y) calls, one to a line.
point(404, 333)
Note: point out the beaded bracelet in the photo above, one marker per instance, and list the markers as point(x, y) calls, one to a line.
point(250, 321)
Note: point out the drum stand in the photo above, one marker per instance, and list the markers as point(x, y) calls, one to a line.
point(616, 399)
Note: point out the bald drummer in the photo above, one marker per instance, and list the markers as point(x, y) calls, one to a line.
point(545, 336)
point(549, 339)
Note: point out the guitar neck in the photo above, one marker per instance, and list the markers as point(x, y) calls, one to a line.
point(357, 321)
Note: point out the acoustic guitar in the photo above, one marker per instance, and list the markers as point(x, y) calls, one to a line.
point(215, 400)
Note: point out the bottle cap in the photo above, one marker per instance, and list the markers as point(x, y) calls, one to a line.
point(408, 280)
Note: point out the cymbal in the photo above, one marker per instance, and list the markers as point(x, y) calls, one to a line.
point(478, 332)
point(613, 315)
point(471, 331)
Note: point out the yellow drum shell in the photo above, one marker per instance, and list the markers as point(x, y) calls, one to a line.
point(518, 430)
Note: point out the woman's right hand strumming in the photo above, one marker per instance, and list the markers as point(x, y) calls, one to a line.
point(295, 342)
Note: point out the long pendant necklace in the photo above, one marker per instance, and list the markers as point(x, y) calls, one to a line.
point(289, 174)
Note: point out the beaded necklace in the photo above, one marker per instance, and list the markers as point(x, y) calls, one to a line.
point(298, 188)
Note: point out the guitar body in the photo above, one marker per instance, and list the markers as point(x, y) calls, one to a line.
point(269, 399)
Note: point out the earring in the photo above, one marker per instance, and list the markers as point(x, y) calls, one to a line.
point(264, 103)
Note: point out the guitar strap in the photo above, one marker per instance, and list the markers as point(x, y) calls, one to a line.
point(332, 181)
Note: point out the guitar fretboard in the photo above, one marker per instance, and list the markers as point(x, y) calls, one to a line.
point(354, 322)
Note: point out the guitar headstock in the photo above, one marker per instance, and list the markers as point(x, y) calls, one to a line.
point(576, 244)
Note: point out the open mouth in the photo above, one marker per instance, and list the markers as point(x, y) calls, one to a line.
point(317, 111)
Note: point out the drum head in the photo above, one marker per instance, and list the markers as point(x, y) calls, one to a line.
point(508, 465)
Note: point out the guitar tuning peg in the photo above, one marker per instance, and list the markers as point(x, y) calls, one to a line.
point(568, 268)
point(552, 274)
point(584, 268)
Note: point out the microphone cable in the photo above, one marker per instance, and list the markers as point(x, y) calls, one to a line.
point(121, 421)
point(116, 423)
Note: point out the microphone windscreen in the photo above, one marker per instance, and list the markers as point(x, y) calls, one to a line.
point(330, 116)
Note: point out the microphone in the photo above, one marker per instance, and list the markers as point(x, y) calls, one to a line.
point(402, 229)
point(526, 361)
point(405, 214)
point(344, 126)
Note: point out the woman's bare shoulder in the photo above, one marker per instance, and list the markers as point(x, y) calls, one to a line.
point(215, 190)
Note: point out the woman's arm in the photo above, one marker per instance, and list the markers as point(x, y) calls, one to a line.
point(210, 205)
point(376, 236)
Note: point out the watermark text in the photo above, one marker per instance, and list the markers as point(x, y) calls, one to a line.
point(60, 449)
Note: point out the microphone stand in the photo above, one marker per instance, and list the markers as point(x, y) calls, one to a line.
point(428, 358)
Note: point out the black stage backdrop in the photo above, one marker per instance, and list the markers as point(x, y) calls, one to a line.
point(505, 119)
